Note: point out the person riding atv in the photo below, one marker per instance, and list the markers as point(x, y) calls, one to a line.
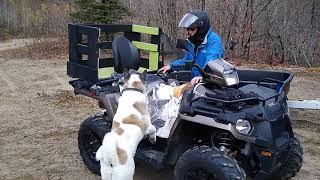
point(204, 45)
point(246, 133)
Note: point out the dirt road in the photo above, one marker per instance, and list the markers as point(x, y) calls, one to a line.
point(40, 118)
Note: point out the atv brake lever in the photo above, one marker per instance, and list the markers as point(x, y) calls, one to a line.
point(202, 72)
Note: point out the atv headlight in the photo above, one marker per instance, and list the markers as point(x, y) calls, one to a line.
point(243, 126)
point(231, 77)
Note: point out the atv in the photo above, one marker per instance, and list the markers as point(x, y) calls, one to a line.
point(234, 125)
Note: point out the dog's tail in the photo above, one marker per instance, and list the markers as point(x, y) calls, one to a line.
point(108, 150)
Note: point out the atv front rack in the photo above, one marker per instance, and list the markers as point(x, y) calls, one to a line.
point(279, 81)
point(251, 100)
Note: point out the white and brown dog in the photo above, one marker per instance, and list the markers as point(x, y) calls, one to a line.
point(131, 122)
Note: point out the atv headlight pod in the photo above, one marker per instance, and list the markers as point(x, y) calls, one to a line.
point(231, 77)
point(243, 126)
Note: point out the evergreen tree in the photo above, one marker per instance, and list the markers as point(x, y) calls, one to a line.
point(103, 12)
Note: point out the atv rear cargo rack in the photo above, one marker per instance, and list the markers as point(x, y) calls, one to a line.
point(87, 40)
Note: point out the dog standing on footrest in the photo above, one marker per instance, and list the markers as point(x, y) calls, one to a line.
point(131, 122)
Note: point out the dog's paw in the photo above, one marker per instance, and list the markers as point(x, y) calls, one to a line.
point(152, 140)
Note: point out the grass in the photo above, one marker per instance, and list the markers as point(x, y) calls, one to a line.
point(56, 48)
point(4, 34)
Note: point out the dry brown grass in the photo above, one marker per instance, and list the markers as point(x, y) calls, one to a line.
point(67, 98)
point(310, 73)
point(4, 36)
point(41, 49)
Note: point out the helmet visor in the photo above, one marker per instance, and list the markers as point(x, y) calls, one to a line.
point(187, 20)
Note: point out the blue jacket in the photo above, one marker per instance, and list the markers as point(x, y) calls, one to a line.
point(210, 49)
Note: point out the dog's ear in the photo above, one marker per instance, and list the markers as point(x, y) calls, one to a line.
point(143, 76)
point(126, 74)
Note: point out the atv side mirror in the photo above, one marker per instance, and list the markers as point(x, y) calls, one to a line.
point(182, 44)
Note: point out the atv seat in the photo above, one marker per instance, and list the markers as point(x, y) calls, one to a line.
point(125, 54)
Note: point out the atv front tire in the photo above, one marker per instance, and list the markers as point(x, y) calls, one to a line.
point(207, 163)
point(294, 162)
point(90, 137)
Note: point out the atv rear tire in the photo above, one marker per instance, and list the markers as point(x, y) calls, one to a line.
point(207, 163)
point(294, 162)
point(90, 137)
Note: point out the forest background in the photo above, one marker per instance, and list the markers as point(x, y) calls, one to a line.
point(266, 31)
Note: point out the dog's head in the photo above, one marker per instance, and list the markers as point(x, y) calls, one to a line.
point(133, 79)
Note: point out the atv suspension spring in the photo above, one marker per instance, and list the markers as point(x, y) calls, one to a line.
point(223, 141)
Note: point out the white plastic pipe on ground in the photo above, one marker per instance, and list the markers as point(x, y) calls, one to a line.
point(304, 104)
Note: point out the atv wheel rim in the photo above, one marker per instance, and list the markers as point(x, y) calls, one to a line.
point(92, 145)
point(199, 174)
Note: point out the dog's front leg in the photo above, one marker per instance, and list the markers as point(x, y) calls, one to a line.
point(106, 171)
point(151, 131)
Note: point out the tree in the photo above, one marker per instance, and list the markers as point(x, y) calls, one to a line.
point(99, 12)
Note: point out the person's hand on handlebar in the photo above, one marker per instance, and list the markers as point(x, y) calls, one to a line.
point(196, 80)
point(164, 69)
